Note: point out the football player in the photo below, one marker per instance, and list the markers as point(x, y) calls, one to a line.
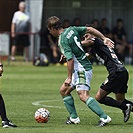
point(79, 68)
point(117, 79)
point(5, 122)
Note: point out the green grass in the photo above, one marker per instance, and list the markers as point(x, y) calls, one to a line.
point(23, 84)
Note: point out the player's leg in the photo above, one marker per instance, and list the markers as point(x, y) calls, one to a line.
point(121, 98)
point(5, 122)
point(2, 109)
point(120, 94)
point(128, 102)
point(83, 87)
point(91, 102)
point(117, 84)
point(26, 52)
point(13, 51)
point(68, 100)
point(102, 98)
point(26, 43)
point(14, 47)
point(114, 83)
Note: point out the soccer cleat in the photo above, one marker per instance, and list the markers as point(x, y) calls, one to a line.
point(127, 112)
point(103, 121)
point(8, 124)
point(73, 121)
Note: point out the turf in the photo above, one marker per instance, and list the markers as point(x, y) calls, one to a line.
point(26, 88)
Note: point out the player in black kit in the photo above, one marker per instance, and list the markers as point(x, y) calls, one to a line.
point(117, 79)
point(5, 122)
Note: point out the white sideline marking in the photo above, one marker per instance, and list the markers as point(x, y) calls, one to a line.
point(38, 103)
point(41, 103)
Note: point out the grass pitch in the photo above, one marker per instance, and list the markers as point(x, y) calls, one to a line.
point(25, 88)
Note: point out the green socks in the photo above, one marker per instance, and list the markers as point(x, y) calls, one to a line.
point(90, 102)
point(93, 105)
point(69, 103)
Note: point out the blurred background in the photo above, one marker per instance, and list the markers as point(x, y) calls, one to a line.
point(71, 12)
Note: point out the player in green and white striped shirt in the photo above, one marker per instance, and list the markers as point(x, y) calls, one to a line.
point(79, 68)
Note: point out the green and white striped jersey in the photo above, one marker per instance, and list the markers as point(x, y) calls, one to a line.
point(70, 46)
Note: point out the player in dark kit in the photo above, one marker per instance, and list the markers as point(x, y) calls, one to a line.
point(117, 79)
point(5, 122)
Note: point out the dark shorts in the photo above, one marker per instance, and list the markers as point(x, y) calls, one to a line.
point(21, 40)
point(116, 83)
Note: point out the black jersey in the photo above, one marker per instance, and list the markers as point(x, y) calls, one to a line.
point(107, 56)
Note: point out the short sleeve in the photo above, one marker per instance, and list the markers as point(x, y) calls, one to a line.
point(81, 30)
point(14, 18)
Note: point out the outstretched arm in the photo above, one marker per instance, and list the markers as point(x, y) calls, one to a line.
point(98, 34)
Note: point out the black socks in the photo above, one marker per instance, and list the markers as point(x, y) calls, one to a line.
point(2, 109)
point(113, 103)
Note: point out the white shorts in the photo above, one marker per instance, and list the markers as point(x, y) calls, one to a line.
point(81, 80)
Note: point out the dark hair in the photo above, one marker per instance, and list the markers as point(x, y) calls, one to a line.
point(53, 22)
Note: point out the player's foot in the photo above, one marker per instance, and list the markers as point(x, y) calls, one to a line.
point(8, 124)
point(127, 112)
point(103, 121)
point(73, 121)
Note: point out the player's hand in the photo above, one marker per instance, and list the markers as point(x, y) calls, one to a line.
point(62, 58)
point(109, 42)
point(13, 34)
point(68, 81)
point(87, 54)
point(1, 69)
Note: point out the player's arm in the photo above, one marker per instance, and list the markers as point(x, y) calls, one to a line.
point(98, 34)
point(67, 52)
point(13, 30)
point(70, 67)
point(95, 32)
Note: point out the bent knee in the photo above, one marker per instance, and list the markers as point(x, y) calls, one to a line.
point(65, 90)
point(83, 98)
point(62, 91)
point(97, 97)
point(101, 100)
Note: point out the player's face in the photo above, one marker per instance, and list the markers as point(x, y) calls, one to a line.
point(88, 36)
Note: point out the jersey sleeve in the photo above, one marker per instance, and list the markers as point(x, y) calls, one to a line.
point(14, 18)
point(81, 30)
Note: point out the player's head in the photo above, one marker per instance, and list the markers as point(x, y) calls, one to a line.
point(54, 23)
point(22, 6)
